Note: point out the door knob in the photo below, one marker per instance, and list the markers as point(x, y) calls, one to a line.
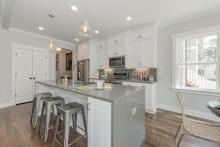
point(34, 78)
point(30, 78)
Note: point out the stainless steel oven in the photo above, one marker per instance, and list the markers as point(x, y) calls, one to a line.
point(117, 62)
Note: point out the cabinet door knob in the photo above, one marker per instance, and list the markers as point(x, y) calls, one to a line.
point(30, 78)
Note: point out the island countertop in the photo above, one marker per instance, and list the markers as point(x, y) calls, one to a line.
point(110, 92)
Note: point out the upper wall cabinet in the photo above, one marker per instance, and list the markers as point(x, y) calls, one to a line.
point(141, 54)
point(102, 54)
point(83, 51)
point(117, 39)
point(117, 45)
point(141, 34)
point(117, 50)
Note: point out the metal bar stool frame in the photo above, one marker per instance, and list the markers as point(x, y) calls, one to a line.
point(68, 113)
point(37, 107)
point(49, 106)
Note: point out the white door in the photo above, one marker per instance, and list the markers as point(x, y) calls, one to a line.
point(99, 123)
point(23, 76)
point(40, 66)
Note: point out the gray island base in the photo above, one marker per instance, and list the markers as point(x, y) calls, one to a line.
point(115, 115)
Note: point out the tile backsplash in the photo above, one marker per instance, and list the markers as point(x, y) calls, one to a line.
point(143, 74)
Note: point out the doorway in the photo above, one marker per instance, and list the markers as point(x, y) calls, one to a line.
point(30, 64)
point(64, 61)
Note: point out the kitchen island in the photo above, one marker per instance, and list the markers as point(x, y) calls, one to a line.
point(115, 114)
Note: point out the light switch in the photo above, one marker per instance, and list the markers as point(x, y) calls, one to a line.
point(134, 111)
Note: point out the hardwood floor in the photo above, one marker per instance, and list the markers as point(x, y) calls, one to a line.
point(15, 129)
point(161, 129)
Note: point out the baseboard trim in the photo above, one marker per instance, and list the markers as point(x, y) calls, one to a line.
point(150, 111)
point(4, 105)
point(203, 115)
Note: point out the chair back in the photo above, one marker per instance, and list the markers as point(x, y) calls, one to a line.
point(181, 101)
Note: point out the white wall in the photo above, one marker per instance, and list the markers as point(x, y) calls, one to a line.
point(18, 37)
point(195, 104)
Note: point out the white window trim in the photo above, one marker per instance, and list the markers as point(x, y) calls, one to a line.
point(188, 35)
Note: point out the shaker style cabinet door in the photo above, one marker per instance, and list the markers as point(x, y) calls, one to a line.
point(99, 123)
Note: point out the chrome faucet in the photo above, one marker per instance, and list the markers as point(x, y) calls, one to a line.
point(73, 69)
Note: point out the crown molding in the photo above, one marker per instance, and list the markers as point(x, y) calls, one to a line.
point(187, 18)
point(42, 36)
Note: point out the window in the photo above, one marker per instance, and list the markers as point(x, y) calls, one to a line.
point(196, 64)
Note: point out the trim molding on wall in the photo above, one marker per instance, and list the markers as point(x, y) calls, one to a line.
point(187, 18)
point(189, 112)
point(42, 36)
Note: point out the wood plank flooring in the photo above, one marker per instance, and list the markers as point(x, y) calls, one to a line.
point(15, 129)
point(160, 129)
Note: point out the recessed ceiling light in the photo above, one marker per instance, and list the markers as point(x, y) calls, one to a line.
point(76, 39)
point(41, 28)
point(74, 8)
point(129, 18)
point(58, 49)
point(96, 32)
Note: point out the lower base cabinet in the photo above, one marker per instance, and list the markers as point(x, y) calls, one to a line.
point(99, 123)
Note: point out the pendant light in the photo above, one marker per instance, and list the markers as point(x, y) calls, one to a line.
point(85, 29)
point(51, 44)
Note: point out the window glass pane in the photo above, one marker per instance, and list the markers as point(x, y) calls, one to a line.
point(201, 76)
point(201, 49)
point(207, 49)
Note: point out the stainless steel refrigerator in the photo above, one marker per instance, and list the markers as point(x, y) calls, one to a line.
point(83, 70)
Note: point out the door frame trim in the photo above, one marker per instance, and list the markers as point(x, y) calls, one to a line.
point(14, 47)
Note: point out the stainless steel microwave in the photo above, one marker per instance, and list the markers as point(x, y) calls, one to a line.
point(117, 62)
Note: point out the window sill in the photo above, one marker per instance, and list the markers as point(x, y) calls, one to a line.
point(206, 92)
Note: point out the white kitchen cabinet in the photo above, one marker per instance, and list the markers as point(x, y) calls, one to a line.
point(141, 54)
point(141, 34)
point(117, 45)
point(99, 123)
point(83, 51)
point(117, 39)
point(150, 95)
point(117, 50)
point(147, 52)
point(101, 53)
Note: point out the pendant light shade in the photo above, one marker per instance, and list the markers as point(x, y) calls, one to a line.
point(85, 30)
point(51, 44)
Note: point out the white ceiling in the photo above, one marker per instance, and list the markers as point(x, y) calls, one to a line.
point(107, 16)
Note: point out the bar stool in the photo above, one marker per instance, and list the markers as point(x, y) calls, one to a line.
point(69, 111)
point(49, 106)
point(37, 106)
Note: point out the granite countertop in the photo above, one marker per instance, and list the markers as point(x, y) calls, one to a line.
point(110, 92)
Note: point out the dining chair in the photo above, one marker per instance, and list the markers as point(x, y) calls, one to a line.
point(197, 128)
